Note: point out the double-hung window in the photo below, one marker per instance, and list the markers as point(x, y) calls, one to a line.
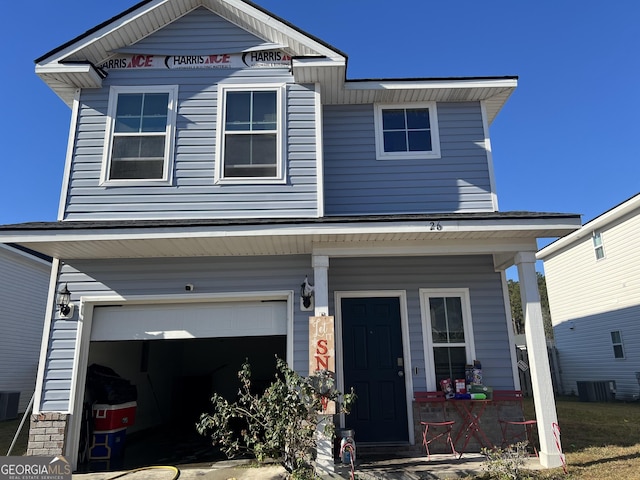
point(407, 131)
point(448, 339)
point(598, 248)
point(140, 129)
point(250, 132)
point(616, 342)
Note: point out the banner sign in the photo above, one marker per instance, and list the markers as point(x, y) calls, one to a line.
point(258, 59)
point(322, 353)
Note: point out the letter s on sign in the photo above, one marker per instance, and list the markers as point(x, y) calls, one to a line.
point(321, 347)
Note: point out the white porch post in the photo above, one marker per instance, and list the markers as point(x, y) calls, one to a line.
point(544, 401)
point(324, 454)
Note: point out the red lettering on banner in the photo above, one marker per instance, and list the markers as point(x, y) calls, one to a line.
point(322, 347)
point(322, 363)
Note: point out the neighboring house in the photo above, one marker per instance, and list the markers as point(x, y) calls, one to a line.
point(218, 156)
point(593, 282)
point(24, 286)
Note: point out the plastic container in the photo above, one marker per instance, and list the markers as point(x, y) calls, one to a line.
point(107, 445)
point(347, 447)
point(112, 417)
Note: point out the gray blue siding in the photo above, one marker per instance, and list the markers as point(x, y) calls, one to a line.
point(356, 183)
point(255, 274)
point(193, 192)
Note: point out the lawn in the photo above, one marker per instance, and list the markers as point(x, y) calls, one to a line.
point(601, 441)
point(8, 429)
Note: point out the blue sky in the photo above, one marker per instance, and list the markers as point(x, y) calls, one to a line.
point(568, 140)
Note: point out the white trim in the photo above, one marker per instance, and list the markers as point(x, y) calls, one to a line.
point(427, 337)
point(598, 223)
point(319, 150)
point(66, 178)
point(431, 84)
point(281, 132)
point(381, 154)
point(401, 295)
point(85, 319)
point(169, 134)
point(512, 351)
point(46, 333)
point(488, 149)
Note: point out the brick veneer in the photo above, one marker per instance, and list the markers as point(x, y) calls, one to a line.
point(47, 434)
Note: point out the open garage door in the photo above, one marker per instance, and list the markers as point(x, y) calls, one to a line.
point(177, 355)
point(189, 320)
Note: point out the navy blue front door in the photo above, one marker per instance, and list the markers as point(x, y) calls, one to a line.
point(373, 366)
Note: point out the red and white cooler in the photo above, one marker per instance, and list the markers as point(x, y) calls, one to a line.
point(112, 417)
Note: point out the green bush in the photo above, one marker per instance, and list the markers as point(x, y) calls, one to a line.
point(278, 424)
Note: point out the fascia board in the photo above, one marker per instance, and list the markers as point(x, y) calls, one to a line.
point(431, 84)
point(453, 226)
point(591, 226)
point(84, 41)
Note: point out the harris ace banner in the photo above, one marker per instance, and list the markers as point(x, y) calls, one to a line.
point(258, 59)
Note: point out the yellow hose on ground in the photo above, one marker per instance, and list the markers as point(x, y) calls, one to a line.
point(166, 467)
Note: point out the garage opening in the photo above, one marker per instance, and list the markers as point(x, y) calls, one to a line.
point(174, 378)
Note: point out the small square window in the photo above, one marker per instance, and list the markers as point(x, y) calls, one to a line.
point(616, 341)
point(407, 131)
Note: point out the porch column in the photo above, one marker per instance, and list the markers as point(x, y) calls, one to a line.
point(324, 453)
point(544, 401)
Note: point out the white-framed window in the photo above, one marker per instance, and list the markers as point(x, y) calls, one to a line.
point(598, 248)
point(447, 333)
point(250, 132)
point(616, 342)
point(406, 130)
point(140, 134)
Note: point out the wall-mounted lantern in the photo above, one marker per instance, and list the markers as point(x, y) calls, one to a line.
point(65, 307)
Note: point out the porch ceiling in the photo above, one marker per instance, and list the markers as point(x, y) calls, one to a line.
point(462, 234)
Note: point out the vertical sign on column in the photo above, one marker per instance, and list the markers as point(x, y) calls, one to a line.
point(322, 353)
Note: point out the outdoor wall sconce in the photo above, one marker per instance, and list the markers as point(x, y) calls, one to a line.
point(64, 302)
point(306, 296)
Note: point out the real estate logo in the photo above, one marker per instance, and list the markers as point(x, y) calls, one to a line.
point(35, 468)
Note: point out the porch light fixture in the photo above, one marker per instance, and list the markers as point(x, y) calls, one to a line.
point(64, 302)
point(306, 296)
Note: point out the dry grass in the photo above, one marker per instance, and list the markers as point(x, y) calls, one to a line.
point(601, 441)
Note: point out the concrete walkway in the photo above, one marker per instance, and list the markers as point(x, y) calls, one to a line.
point(405, 468)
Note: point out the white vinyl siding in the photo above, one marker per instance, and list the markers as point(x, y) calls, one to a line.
point(597, 298)
point(250, 132)
point(140, 134)
point(407, 130)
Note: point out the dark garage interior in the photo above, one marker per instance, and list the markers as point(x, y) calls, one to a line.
point(173, 380)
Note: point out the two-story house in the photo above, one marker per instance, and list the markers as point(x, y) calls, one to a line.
point(593, 282)
point(218, 155)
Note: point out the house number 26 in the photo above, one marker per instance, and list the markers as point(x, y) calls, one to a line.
point(435, 226)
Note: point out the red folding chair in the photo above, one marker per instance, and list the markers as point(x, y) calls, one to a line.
point(514, 418)
point(437, 427)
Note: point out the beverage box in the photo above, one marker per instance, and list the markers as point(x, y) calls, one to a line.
point(108, 444)
point(111, 417)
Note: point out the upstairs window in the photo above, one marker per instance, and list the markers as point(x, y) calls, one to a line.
point(449, 345)
point(139, 134)
point(250, 134)
point(616, 341)
point(407, 131)
point(597, 245)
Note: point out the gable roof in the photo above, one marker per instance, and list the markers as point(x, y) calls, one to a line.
point(75, 64)
point(601, 221)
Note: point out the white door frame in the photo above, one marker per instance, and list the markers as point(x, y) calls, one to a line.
point(83, 341)
point(401, 295)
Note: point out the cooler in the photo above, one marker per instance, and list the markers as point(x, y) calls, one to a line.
point(108, 444)
point(112, 417)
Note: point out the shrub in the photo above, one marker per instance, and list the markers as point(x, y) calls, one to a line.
point(507, 463)
point(278, 424)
